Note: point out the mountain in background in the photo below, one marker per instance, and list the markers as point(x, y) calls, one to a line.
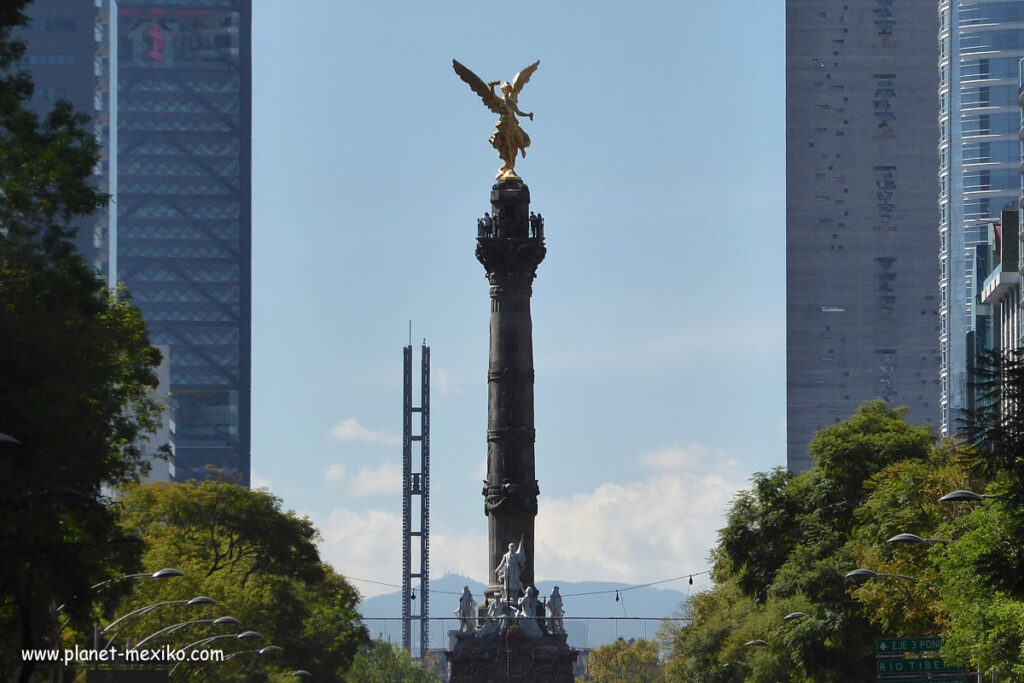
point(593, 617)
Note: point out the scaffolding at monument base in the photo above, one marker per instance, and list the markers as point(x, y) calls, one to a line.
point(416, 484)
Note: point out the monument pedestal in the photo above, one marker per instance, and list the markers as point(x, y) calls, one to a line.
point(511, 657)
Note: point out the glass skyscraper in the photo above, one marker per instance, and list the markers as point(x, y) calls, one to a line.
point(980, 44)
point(67, 53)
point(175, 120)
point(183, 211)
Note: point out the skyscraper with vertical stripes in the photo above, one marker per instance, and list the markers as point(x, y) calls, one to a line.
point(861, 212)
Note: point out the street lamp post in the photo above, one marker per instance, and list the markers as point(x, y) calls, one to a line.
point(199, 600)
point(244, 635)
point(871, 574)
point(219, 621)
point(165, 573)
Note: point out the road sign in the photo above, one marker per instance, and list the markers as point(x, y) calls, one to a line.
point(890, 646)
point(916, 666)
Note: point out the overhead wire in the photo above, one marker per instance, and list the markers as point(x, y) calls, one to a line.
point(617, 591)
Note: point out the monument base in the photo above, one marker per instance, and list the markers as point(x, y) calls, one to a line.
point(510, 657)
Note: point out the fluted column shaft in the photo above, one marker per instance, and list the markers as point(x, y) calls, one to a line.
point(510, 252)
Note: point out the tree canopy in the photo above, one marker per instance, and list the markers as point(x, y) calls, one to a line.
point(632, 661)
point(786, 546)
point(76, 369)
point(258, 562)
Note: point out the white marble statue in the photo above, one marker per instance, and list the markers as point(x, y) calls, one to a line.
point(498, 612)
point(555, 612)
point(466, 612)
point(528, 613)
point(508, 570)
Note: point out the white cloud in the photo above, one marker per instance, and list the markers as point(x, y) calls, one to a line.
point(649, 530)
point(659, 527)
point(334, 473)
point(377, 481)
point(692, 457)
point(351, 430)
point(365, 544)
point(440, 380)
point(258, 482)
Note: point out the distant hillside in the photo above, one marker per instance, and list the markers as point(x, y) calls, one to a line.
point(586, 599)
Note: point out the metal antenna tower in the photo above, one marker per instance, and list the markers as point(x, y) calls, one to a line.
point(416, 482)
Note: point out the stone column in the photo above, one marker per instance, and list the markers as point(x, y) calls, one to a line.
point(510, 251)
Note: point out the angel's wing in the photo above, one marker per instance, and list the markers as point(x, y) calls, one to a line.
point(492, 101)
point(523, 77)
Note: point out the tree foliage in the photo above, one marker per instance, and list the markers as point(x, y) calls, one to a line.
point(633, 661)
point(383, 662)
point(259, 563)
point(75, 369)
point(995, 427)
point(786, 546)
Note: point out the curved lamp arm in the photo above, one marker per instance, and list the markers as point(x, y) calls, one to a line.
point(185, 624)
point(244, 635)
point(199, 600)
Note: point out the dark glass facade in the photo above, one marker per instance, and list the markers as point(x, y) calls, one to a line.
point(183, 240)
point(67, 53)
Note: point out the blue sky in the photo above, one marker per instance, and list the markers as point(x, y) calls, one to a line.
point(658, 164)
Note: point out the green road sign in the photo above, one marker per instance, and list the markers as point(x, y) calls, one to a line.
point(916, 666)
point(890, 646)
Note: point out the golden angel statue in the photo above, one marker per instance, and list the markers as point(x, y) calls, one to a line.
point(509, 138)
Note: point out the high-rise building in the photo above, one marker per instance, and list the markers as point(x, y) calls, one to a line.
point(861, 212)
point(183, 211)
point(980, 44)
point(180, 175)
point(67, 52)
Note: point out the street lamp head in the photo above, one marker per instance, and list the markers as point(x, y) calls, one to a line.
point(220, 621)
point(167, 573)
point(270, 649)
point(794, 615)
point(302, 673)
point(249, 635)
point(201, 600)
point(755, 643)
point(906, 538)
point(861, 574)
point(962, 495)
point(913, 538)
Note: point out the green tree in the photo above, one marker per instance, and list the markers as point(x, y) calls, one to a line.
point(984, 623)
point(383, 662)
point(904, 498)
point(786, 546)
point(633, 661)
point(75, 369)
point(259, 563)
point(996, 428)
point(709, 649)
